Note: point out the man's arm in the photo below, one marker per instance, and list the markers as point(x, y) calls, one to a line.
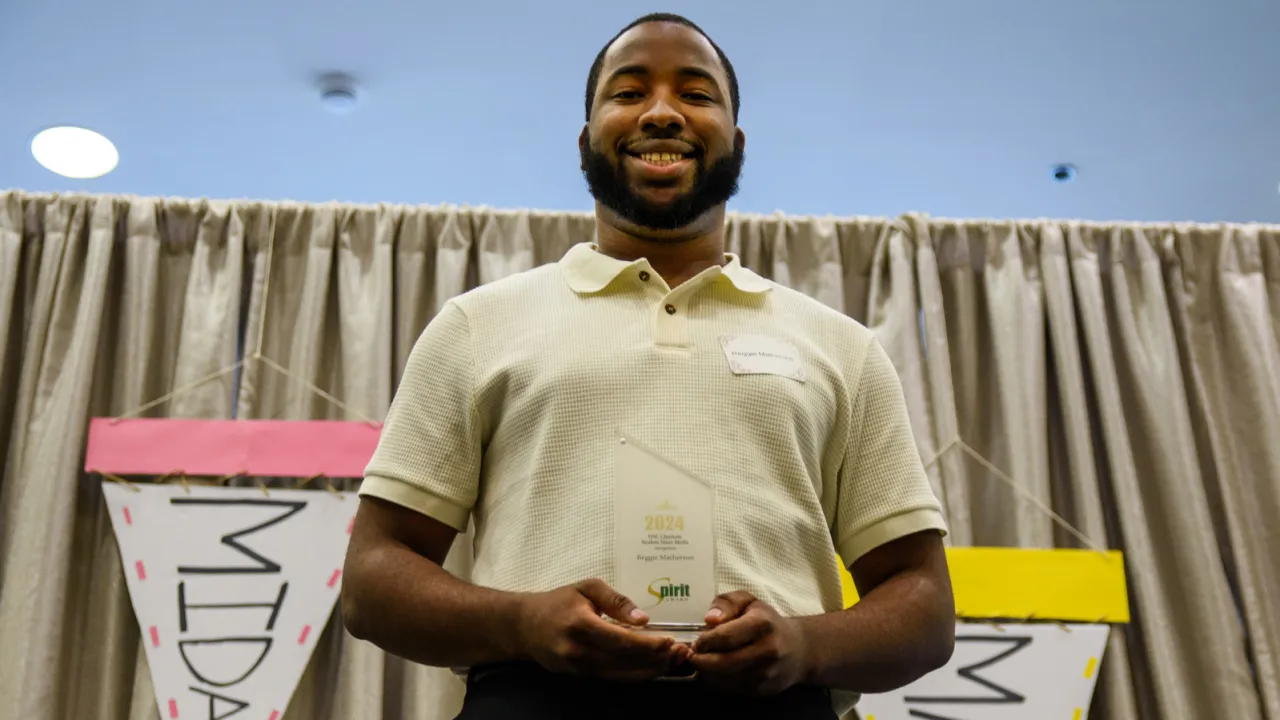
point(397, 595)
point(889, 525)
point(902, 627)
point(889, 521)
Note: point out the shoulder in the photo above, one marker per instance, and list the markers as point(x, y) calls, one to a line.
point(493, 300)
point(822, 325)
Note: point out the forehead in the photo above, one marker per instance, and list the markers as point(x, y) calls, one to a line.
point(662, 46)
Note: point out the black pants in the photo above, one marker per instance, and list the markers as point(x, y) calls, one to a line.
point(523, 692)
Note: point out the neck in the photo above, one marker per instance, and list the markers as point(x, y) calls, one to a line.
point(676, 255)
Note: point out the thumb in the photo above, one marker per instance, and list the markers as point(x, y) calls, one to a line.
point(612, 603)
point(728, 606)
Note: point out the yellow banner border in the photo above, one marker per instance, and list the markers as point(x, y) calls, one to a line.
point(1023, 584)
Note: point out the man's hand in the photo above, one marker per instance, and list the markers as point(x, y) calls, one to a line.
point(750, 649)
point(563, 632)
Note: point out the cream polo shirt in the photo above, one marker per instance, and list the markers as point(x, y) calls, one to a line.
point(515, 393)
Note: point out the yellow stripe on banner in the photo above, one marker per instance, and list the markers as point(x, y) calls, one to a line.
point(1030, 584)
point(1090, 667)
point(1079, 713)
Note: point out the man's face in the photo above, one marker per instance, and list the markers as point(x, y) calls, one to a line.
point(662, 147)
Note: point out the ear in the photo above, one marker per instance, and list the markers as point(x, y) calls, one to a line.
point(739, 139)
point(582, 139)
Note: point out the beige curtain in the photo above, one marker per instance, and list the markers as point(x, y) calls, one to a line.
point(1126, 375)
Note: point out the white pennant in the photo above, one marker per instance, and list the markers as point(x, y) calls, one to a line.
point(231, 589)
point(1003, 672)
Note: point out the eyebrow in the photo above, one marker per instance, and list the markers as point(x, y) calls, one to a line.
point(644, 71)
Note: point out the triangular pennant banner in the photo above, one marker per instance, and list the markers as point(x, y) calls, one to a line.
point(1003, 672)
point(231, 588)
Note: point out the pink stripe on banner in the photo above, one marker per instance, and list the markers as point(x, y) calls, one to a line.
point(275, 715)
point(142, 571)
point(306, 630)
point(128, 519)
point(155, 637)
point(275, 448)
point(333, 579)
point(173, 708)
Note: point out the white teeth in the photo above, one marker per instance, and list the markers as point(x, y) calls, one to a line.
point(661, 158)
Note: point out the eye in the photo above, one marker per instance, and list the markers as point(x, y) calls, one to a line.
point(626, 95)
point(697, 97)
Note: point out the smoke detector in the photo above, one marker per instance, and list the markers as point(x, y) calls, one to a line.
point(338, 93)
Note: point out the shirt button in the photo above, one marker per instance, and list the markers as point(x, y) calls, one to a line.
point(671, 309)
point(644, 276)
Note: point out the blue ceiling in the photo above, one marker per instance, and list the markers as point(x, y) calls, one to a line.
point(1171, 110)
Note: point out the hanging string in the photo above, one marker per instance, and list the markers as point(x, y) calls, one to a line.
point(313, 388)
point(1018, 490)
point(255, 356)
point(179, 391)
point(117, 479)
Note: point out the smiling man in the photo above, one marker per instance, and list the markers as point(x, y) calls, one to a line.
point(508, 416)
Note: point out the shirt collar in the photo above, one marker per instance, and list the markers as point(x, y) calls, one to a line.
point(588, 271)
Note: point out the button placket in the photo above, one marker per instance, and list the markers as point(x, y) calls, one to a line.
point(671, 319)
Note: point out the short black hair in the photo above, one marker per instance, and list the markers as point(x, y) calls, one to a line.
point(593, 77)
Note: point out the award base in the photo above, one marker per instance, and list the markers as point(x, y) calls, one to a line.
point(680, 632)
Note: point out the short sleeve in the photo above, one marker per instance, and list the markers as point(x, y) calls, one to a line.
point(428, 456)
point(884, 493)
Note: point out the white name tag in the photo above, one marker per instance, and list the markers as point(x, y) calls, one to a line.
point(762, 355)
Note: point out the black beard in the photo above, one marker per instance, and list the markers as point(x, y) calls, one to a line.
point(712, 186)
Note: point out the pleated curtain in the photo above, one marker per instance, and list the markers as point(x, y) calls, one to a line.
point(1126, 376)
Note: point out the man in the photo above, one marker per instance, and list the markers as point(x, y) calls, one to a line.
point(508, 414)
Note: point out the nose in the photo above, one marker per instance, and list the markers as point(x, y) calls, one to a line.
point(661, 115)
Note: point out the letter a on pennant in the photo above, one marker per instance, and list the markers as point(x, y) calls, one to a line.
point(231, 589)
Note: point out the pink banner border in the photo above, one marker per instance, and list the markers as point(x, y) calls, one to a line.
point(266, 448)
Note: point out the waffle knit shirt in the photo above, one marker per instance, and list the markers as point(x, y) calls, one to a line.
point(513, 397)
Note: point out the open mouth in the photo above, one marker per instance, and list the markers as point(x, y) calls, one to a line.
point(661, 168)
point(661, 159)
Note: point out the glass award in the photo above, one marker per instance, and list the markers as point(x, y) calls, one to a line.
point(665, 549)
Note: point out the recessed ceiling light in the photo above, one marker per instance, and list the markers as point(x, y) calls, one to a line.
point(75, 152)
point(1063, 173)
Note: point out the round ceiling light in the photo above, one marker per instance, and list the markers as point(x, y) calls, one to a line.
point(75, 152)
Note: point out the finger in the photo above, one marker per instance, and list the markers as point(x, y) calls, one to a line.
point(681, 653)
point(733, 635)
point(605, 638)
point(629, 664)
point(729, 671)
point(612, 603)
point(728, 606)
